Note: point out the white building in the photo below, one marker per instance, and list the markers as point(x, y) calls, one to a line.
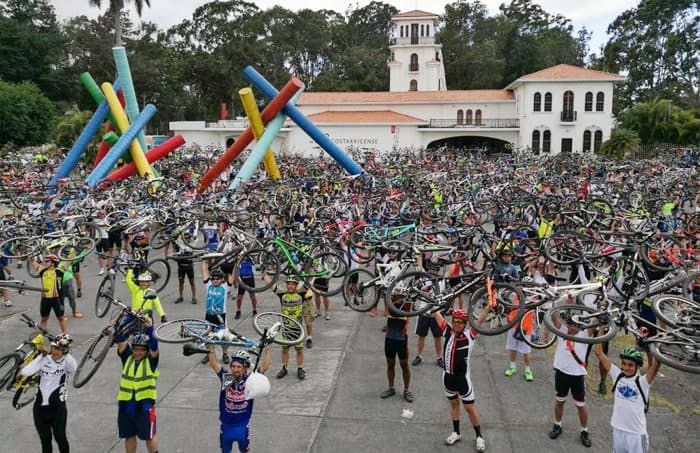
point(563, 108)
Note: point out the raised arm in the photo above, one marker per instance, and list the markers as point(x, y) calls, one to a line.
point(266, 360)
point(213, 361)
point(604, 360)
point(653, 370)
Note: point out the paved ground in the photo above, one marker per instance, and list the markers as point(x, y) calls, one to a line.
point(338, 405)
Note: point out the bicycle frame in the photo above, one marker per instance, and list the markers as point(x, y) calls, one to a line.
point(284, 246)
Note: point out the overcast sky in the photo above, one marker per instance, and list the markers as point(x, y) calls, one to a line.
point(595, 15)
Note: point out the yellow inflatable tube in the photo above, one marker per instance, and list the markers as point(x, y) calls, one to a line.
point(251, 110)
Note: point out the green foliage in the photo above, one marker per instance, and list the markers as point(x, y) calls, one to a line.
point(661, 121)
point(70, 126)
point(26, 115)
point(621, 144)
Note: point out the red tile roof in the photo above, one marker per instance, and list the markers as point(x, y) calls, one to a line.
point(403, 97)
point(414, 13)
point(363, 116)
point(568, 72)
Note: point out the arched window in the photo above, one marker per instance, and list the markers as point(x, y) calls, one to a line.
point(427, 30)
point(469, 116)
point(588, 105)
point(586, 141)
point(536, 141)
point(477, 117)
point(568, 101)
point(460, 116)
point(546, 141)
point(599, 101)
point(548, 102)
point(422, 29)
point(413, 86)
point(537, 102)
point(414, 62)
point(597, 140)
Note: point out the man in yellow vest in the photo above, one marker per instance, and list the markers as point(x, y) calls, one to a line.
point(137, 389)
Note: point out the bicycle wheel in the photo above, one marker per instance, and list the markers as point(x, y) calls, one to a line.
point(360, 291)
point(585, 318)
point(9, 367)
point(332, 267)
point(677, 351)
point(677, 311)
point(541, 337)
point(413, 293)
point(197, 240)
point(259, 262)
point(654, 250)
point(105, 294)
point(183, 330)
point(93, 357)
point(504, 315)
point(75, 248)
point(160, 238)
point(630, 279)
point(562, 247)
point(17, 248)
point(25, 393)
point(290, 333)
point(160, 270)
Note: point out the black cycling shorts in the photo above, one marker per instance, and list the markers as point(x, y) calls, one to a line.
point(115, 240)
point(214, 319)
point(458, 386)
point(321, 284)
point(185, 271)
point(76, 266)
point(394, 348)
point(564, 382)
point(102, 246)
point(426, 323)
point(51, 303)
point(249, 281)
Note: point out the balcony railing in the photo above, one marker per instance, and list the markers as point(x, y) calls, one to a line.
point(229, 124)
point(499, 123)
point(568, 116)
point(412, 40)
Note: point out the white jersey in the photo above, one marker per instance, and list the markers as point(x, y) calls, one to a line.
point(564, 360)
point(53, 377)
point(628, 409)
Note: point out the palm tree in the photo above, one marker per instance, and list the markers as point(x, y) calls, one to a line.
point(622, 143)
point(116, 7)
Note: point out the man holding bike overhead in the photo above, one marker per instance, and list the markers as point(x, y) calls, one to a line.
point(137, 389)
point(51, 275)
point(143, 297)
point(239, 387)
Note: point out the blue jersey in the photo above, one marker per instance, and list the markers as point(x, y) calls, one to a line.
point(236, 400)
point(216, 298)
point(245, 269)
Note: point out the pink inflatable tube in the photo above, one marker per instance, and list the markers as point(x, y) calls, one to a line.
point(153, 155)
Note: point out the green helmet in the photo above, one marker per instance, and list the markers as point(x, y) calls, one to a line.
point(292, 279)
point(632, 354)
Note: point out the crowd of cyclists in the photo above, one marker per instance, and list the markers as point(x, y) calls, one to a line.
point(559, 252)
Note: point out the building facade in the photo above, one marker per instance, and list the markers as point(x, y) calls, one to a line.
point(560, 109)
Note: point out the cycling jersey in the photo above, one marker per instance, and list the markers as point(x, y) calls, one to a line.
point(457, 349)
point(138, 303)
point(236, 400)
point(53, 377)
point(51, 279)
point(216, 298)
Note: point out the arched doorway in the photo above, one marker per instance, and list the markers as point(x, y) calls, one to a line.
point(471, 143)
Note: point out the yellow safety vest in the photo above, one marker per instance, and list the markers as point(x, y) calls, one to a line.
point(139, 387)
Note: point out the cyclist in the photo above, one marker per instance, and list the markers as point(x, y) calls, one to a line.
point(102, 242)
point(6, 274)
point(295, 303)
point(140, 247)
point(51, 280)
point(50, 412)
point(185, 267)
point(631, 391)
point(137, 389)
point(456, 375)
point(143, 297)
point(216, 296)
point(396, 345)
point(245, 272)
point(239, 388)
point(67, 289)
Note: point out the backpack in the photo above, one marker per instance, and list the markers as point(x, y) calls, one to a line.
point(639, 387)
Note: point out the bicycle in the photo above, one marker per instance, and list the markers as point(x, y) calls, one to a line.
point(98, 348)
point(12, 363)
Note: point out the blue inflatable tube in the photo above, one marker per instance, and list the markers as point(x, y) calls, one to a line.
point(304, 123)
point(106, 164)
point(81, 144)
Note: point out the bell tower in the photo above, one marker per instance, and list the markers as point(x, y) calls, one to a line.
point(416, 59)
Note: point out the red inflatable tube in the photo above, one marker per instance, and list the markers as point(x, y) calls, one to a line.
point(271, 110)
point(153, 155)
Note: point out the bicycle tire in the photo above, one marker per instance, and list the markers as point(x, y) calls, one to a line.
point(24, 395)
point(97, 351)
point(176, 331)
point(677, 352)
point(104, 296)
point(558, 249)
point(264, 262)
point(71, 252)
point(336, 268)
point(499, 320)
point(367, 294)
point(634, 279)
point(160, 238)
point(658, 244)
point(574, 310)
point(291, 333)
point(683, 312)
point(21, 247)
point(160, 270)
point(9, 367)
point(413, 293)
point(542, 337)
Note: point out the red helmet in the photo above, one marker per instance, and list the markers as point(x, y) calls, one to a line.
point(53, 258)
point(459, 314)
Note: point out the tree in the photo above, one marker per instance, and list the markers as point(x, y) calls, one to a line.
point(656, 44)
point(661, 121)
point(116, 7)
point(69, 126)
point(621, 144)
point(26, 114)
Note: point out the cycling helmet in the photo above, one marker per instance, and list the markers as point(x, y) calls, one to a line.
point(527, 279)
point(145, 277)
point(140, 339)
point(292, 279)
point(241, 356)
point(459, 314)
point(150, 293)
point(216, 274)
point(62, 342)
point(632, 354)
point(53, 258)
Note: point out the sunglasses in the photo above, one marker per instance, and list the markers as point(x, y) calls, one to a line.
point(458, 321)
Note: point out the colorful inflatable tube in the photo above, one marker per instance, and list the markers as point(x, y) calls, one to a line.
point(237, 147)
point(95, 93)
point(260, 149)
point(121, 146)
point(104, 147)
point(303, 122)
point(153, 155)
point(124, 72)
point(251, 110)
